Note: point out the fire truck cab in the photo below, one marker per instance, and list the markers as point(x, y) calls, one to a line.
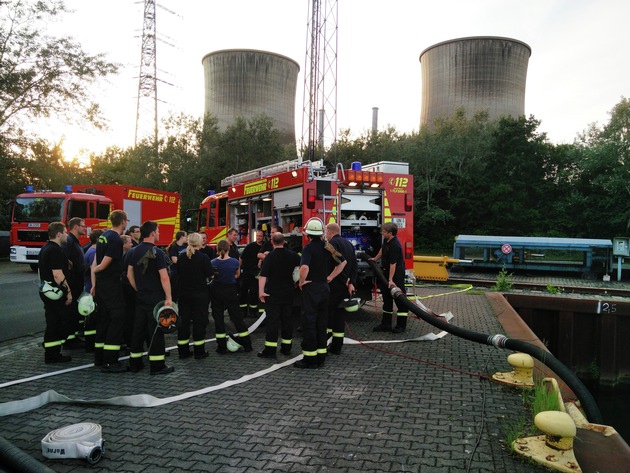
point(287, 194)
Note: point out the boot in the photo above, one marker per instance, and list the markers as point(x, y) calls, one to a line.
point(267, 352)
point(184, 351)
point(335, 346)
point(222, 345)
point(200, 352)
point(321, 360)
point(401, 324)
point(245, 342)
point(386, 323)
point(285, 348)
point(308, 362)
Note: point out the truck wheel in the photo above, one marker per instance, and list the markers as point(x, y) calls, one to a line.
point(33, 266)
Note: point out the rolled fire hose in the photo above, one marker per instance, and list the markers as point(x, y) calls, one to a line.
point(83, 440)
point(589, 405)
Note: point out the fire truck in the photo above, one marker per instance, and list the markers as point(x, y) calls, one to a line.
point(33, 210)
point(288, 193)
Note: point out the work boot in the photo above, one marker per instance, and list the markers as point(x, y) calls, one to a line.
point(200, 352)
point(114, 368)
point(222, 346)
point(335, 346)
point(308, 362)
point(136, 365)
point(321, 360)
point(285, 348)
point(245, 342)
point(59, 358)
point(267, 352)
point(382, 328)
point(401, 324)
point(184, 351)
point(164, 370)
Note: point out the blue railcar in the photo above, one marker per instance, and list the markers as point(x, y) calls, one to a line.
point(579, 255)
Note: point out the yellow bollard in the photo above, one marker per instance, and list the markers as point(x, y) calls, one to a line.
point(522, 374)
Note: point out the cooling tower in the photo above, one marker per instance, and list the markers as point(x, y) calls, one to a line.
point(475, 73)
point(248, 83)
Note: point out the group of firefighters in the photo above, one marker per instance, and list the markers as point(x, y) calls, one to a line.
point(267, 276)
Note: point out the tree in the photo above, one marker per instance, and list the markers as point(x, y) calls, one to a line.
point(42, 75)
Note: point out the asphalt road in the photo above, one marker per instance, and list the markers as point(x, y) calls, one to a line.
point(21, 310)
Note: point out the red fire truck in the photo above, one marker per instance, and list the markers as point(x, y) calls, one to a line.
point(287, 194)
point(33, 211)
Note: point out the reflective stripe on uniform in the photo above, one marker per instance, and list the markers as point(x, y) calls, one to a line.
point(56, 343)
point(271, 344)
point(135, 355)
point(156, 357)
point(220, 335)
point(286, 341)
point(183, 342)
point(199, 343)
point(403, 314)
point(111, 347)
point(338, 334)
point(244, 334)
point(99, 344)
point(322, 351)
point(309, 353)
point(89, 332)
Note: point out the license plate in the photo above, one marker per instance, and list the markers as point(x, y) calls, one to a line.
point(32, 253)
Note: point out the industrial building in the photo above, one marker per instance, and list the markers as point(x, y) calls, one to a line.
point(249, 83)
point(476, 73)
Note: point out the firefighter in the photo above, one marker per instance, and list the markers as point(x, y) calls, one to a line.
point(55, 293)
point(232, 238)
point(314, 278)
point(73, 251)
point(248, 282)
point(341, 287)
point(107, 287)
point(393, 266)
point(224, 296)
point(147, 271)
point(173, 251)
point(194, 269)
point(276, 287)
point(207, 249)
point(89, 329)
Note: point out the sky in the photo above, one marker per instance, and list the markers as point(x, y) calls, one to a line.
point(578, 70)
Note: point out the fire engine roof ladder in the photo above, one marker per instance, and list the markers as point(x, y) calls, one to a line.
point(264, 171)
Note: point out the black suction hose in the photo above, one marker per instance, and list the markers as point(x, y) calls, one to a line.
point(501, 341)
point(14, 459)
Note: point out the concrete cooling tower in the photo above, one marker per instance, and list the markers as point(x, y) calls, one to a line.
point(248, 83)
point(475, 73)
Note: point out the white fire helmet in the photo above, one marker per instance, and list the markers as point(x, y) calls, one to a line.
point(86, 304)
point(53, 293)
point(314, 226)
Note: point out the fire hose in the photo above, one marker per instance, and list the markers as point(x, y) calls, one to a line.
point(586, 399)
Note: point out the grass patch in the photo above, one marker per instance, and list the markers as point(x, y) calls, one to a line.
point(504, 281)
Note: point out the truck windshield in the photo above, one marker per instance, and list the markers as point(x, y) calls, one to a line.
point(38, 209)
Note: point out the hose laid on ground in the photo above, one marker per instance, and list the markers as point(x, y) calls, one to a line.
point(14, 459)
point(589, 405)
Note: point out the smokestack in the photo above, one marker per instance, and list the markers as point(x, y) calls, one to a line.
point(374, 119)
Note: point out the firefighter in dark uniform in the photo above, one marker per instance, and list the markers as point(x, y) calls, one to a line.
point(393, 266)
point(232, 238)
point(314, 278)
point(55, 293)
point(248, 291)
point(73, 251)
point(147, 272)
point(224, 296)
point(341, 287)
point(194, 269)
point(276, 287)
point(108, 291)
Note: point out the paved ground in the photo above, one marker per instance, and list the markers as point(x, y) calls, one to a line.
point(417, 406)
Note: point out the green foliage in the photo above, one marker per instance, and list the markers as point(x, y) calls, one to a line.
point(543, 400)
point(504, 281)
point(551, 289)
point(43, 75)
